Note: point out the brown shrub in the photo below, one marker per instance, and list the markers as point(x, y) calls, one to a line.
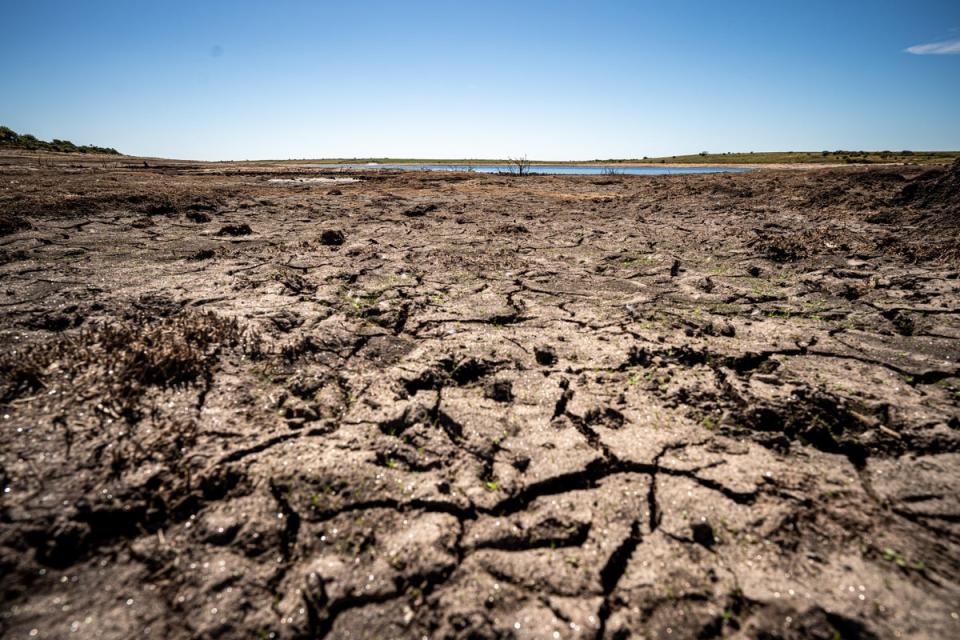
point(120, 360)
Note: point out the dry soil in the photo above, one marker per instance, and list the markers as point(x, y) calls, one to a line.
point(454, 405)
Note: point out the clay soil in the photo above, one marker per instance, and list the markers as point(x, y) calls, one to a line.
point(454, 405)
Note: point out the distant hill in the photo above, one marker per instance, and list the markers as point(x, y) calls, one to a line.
point(10, 139)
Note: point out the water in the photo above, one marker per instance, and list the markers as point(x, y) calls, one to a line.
point(552, 169)
point(309, 180)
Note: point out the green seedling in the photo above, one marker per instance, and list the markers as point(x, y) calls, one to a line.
point(891, 555)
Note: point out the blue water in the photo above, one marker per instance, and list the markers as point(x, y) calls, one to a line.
point(553, 169)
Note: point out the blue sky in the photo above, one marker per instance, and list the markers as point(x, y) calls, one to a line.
point(551, 80)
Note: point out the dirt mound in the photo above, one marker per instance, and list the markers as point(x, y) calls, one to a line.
point(875, 178)
point(933, 190)
point(930, 204)
point(856, 190)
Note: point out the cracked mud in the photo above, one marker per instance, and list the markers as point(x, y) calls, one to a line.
point(239, 403)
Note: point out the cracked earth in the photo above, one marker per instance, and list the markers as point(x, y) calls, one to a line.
point(257, 401)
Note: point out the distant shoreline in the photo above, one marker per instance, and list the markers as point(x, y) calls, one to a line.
point(743, 160)
point(767, 160)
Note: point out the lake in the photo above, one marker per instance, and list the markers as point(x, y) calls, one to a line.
point(553, 169)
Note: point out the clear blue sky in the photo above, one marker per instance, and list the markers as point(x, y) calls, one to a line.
point(552, 80)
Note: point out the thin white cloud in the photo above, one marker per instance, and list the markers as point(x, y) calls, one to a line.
point(935, 48)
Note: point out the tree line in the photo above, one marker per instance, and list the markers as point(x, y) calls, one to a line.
point(13, 140)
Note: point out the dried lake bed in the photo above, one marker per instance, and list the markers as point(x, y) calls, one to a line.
point(266, 401)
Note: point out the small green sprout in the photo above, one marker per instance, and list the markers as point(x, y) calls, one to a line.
point(894, 556)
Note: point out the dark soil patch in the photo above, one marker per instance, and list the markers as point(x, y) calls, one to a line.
point(235, 230)
point(331, 237)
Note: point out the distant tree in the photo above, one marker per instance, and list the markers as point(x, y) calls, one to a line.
point(27, 141)
point(8, 136)
point(63, 145)
point(521, 165)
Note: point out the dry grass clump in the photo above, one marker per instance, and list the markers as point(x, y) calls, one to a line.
point(784, 249)
point(945, 251)
point(120, 360)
